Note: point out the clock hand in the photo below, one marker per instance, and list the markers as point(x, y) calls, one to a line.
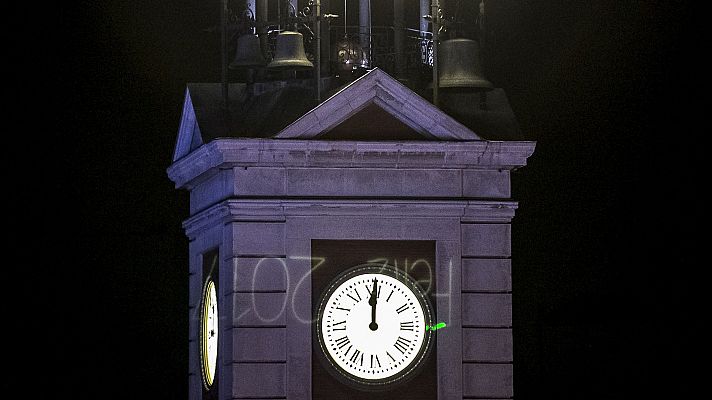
point(372, 302)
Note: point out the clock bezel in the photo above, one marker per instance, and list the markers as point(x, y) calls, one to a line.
point(412, 369)
point(203, 339)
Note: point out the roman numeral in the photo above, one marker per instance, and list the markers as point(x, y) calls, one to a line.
point(402, 344)
point(378, 293)
point(354, 357)
point(343, 309)
point(406, 326)
point(402, 308)
point(354, 298)
point(389, 296)
point(389, 355)
point(377, 362)
point(342, 328)
point(342, 341)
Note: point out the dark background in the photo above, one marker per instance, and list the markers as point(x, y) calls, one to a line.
point(603, 242)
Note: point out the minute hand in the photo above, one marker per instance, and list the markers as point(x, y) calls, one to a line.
point(372, 302)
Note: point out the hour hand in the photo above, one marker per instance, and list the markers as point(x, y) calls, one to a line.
point(372, 302)
point(374, 294)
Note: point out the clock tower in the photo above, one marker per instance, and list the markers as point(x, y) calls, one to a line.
point(372, 219)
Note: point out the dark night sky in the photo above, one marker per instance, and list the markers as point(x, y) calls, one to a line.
point(603, 245)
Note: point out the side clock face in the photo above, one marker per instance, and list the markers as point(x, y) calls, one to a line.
point(371, 327)
point(209, 334)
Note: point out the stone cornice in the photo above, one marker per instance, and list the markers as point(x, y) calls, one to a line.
point(264, 210)
point(242, 152)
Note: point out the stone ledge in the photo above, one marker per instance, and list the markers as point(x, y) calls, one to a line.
point(277, 210)
point(235, 152)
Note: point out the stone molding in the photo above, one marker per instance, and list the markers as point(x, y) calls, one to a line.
point(227, 153)
point(266, 210)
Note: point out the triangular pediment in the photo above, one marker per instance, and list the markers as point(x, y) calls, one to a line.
point(370, 124)
point(189, 136)
point(378, 92)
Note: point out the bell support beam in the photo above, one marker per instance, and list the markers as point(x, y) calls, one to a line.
point(364, 26)
point(399, 36)
point(261, 16)
point(435, 13)
point(317, 50)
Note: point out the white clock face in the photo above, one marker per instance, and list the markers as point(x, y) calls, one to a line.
point(209, 333)
point(372, 325)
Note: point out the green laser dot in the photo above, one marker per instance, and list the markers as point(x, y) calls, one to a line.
point(436, 327)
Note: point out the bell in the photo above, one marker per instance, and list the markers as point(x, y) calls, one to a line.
point(350, 55)
point(249, 53)
point(289, 53)
point(459, 66)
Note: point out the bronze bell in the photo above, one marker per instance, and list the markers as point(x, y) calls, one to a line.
point(249, 53)
point(459, 65)
point(289, 53)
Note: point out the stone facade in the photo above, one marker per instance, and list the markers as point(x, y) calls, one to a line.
point(262, 201)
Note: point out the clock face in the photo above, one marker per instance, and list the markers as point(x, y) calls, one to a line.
point(371, 326)
point(209, 333)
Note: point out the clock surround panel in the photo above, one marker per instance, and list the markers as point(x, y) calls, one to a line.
point(332, 259)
